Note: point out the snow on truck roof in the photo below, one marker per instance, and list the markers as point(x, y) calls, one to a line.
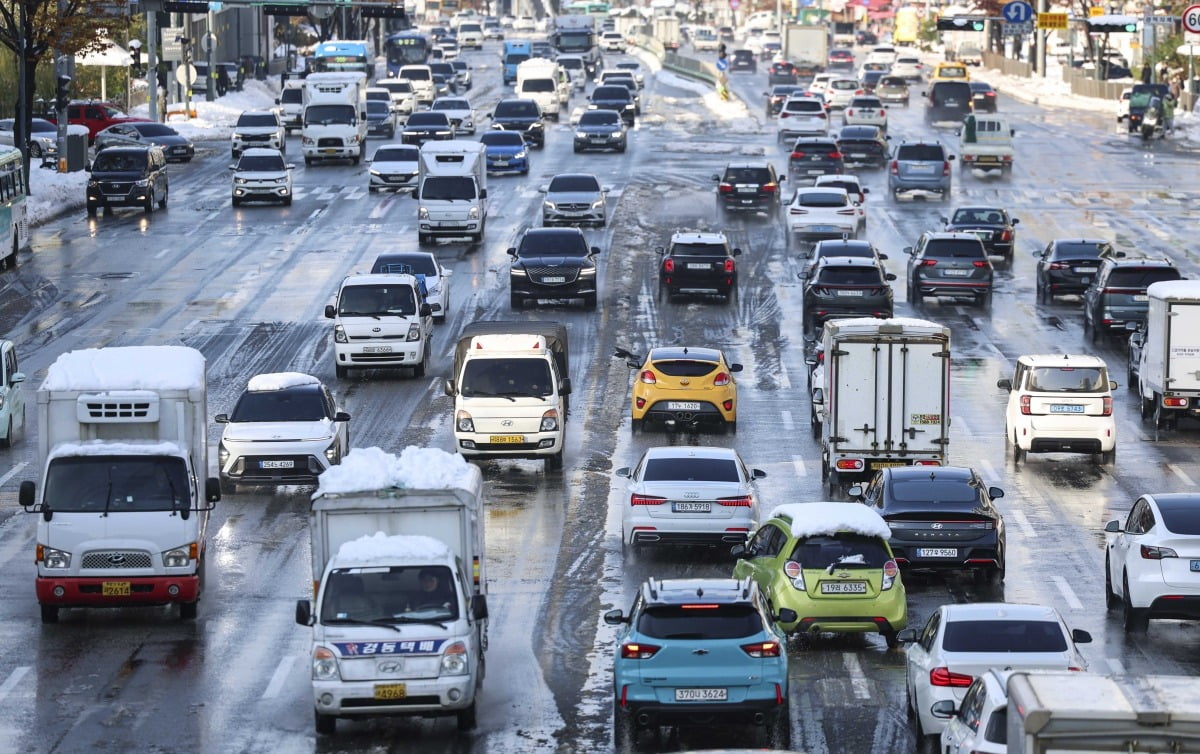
point(1185, 289)
point(860, 325)
point(368, 469)
point(111, 448)
point(127, 368)
point(811, 519)
point(397, 546)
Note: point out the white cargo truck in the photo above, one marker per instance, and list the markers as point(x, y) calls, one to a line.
point(510, 385)
point(542, 81)
point(1167, 369)
point(291, 105)
point(452, 190)
point(883, 397)
point(125, 495)
point(666, 31)
point(577, 35)
point(381, 321)
point(1057, 712)
point(808, 45)
point(400, 587)
point(986, 143)
point(335, 117)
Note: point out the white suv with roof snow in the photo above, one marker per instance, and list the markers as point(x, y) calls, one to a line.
point(1060, 404)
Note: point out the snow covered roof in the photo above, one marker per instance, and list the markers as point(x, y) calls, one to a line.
point(863, 325)
point(367, 469)
point(809, 519)
point(1185, 289)
point(111, 448)
point(127, 368)
point(280, 381)
point(379, 546)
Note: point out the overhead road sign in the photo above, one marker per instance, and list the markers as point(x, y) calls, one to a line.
point(185, 6)
point(1017, 12)
point(285, 9)
point(1052, 20)
point(1018, 30)
point(382, 11)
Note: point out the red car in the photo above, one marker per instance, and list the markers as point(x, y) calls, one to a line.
point(97, 116)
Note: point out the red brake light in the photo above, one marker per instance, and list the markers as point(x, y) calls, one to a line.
point(784, 114)
point(1006, 235)
point(762, 649)
point(835, 155)
point(1025, 408)
point(946, 167)
point(725, 188)
point(850, 111)
point(943, 677)
point(980, 263)
point(721, 379)
point(729, 265)
point(1158, 553)
point(1107, 410)
point(647, 377)
point(797, 155)
point(646, 500)
point(740, 501)
point(928, 262)
point(1058, 266)
point(668, 265)
point(770, 188)
point(895, 167)
point(633, 651)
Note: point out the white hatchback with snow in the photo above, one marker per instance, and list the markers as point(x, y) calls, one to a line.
point(866, 111)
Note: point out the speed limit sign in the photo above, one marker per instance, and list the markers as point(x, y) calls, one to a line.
point(1191, 19)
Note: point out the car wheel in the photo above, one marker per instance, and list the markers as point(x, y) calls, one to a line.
point(635, 426)
point(465, 718)
point(1111, 600)
point(1134, 620)
point(188, 610)
point(228, 486)
point(624, 733)
point(1042, 297)
point(149, 205)
point(890, 638)
point(779, 729)
point(1018, 454)
point(236, 201)
point(985, 301)
point(419, 369)
point(554, 462)
point(589, 301)
point(162, 203)
point(49, 613)
point(308, 161)
point(287, 201)
point(91, 210)
point(340, 371)
point(326, 725)
point(6, 441)
point(1147, 408)
point(424, 239)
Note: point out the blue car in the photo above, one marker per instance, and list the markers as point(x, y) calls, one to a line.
point(700, 652)
point(506, 152)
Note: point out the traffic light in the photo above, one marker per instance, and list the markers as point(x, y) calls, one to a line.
point(382, 11)
point(62, 95)
point(191, 6)
point(136, 54)
point(1119, 26)
point(960, 23)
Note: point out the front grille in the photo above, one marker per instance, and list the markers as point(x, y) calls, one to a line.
point(539, 275)
point(117, 188)
point(403, 336)
point(256, 137)
point(419, 701)
point(329, 142)
point(573, 207)
point(375, 358)
point(114, 559)
point(505, 447)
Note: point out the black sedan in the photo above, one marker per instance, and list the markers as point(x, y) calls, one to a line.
point(176, 147)
point(743, 60)
point(552, 263)
point(941, 517)
point(1068, 265)
point(983, 97)
point(992, 225)
point(426, 126)
point(781, 72)
point(863, 145)
point(778, 95)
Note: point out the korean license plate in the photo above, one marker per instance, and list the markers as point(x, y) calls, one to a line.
point(823, 229)
point(683, 405)
point(887, 464)
point(701, 695)
point(506, 439)
point(922, 169)
point(1140, 297)
point(377, 349)
point(697, 266)
point(747, 189)
point(276, 464)
point(858, 155)
point(114, 588)
point(554, 279)
point(848, 292)
point(500, 163)
point(1066, 408)
point(843, 587)
point(390, 691)
point(329, 151)
point(983, 235)
point(937, 552)
point(1086, 270)
point(691, 507)
point(956, 273)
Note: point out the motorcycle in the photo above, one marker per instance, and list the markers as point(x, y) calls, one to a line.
point(1152, 121)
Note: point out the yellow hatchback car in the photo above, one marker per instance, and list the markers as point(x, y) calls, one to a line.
point(683, 388)
point(949, 72)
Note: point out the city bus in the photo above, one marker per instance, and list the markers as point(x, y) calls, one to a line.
point(406, 48)
point(344, 56)
point(13, 194)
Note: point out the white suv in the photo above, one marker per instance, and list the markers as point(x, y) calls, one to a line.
point(1060, 404)
point(262, 174)
point(978, 725)
point(258, 128)
point(381, 321)
point(801, 116)
point(285, 429)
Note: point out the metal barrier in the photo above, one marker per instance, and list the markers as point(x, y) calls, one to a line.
point(681, 64)
point(1007, 66)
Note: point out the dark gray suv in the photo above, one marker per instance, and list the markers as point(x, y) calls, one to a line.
point(814, 156)
point(919, 166)
point(949, 264)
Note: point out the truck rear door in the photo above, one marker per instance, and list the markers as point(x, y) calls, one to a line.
point(1183, 347)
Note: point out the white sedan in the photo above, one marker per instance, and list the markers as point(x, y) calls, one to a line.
point(816, 213)
point(866, 111)
point(961, 641)
point(840, 90)
point(857, 191)
point(427, 269)
point(1152, 563)
point(689, 495)
point(459, 111)
point(394, 167)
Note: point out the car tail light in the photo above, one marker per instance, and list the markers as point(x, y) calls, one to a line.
point(847, 212)
point(721, 379)
point(890, 572)
point(728, 404)
point(849, 464)
point(1058, 266)
point(850, 112)
point(737, 501)
point(784, 114)
point(668, 265)
point(989, 94)
point(928, 262)
point(1168, 401)
point(648, 377)
point(646, 500)
point(1107, 409)
point(945, 167)
point(858, 91)
point(835, 155)
point(1158, 553)
point(770, 188)
point(793, 571)
point(797, 211)
point(633, 651)
point(725, 188)
point(729, 265)
point(640, 401)
point(943, 677)
point(1025, 407)
point(822, 115)
point(797, 155)
point(895, 167)
point(1006, 235)
point(762, 649)
point(980, 263)
point(927, 462)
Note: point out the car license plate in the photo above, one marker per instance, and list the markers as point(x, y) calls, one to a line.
point(506, 439)
point(849, 293)
point(747, 189)
point(1140, 297)
point(937, 552)
point(701, 695)
point(500, 163)
point(695, 266)
point(329, 151)
point(923, 169)
point(1066, 408)
point(843, 587)
point(823, 229)
point(114, 588)
point(554, 279)
point(887, 464)
point(988, 158)
point(983, 235)
point(276, 464)
point(1088, 270)
point(951, 103)
point(683, 405)
point(390, 691)
point(377, 349)
point(816, 172)
point(859, 155)
point(956, 273)
point(691, 507)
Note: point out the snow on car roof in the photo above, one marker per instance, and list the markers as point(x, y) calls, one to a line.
point(127, 368)
point(367, 469)
point(280, 381)
point(397, 546)
point(810, 519)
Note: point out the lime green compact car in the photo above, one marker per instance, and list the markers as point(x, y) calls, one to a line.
point(831, 564)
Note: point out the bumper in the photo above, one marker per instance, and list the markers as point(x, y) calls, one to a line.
point(89, 592)
point(135, 198)
point(241, 146)
point(450, 227)
point(904, 186)
point(963, 289)
point(423, 697)
point(535, 445)
point(708, 415)
point(604, 142)
point(754, 710)
point(735, 203)
point(817, 232)
point(568, 217)
point(381, 130)
point(405, 353)
point(248, 470)
point(261, 192)
point(970, 556)
point(890, 615)
point(393, 182)
point(1098, 434)
point(179, 154)
point(332, 153)
point(822, 314)
point(496, 165)
point(722, 286)
point(578, 289)
point(660, 532)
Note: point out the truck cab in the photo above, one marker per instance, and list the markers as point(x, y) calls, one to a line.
point(381, 321)
point(543, 81)
point(452, 190)
point(335, 117)
point(516, 51)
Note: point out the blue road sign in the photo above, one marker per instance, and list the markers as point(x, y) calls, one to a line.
point(722, 64)
point(1017, 12)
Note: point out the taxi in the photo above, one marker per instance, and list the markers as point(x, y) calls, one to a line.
point(949, 72)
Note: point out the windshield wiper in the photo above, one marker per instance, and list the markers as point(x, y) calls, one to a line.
point(439, 622)
point(488, 394)
point(359, 622)
point(108, 493)
point(171, 484)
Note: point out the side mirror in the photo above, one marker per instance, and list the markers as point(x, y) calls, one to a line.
point(291, 166)
point(660, 250)
point(737, 252)
point(1079, 636)
point(818, 396)
point(735, 367)
point(716, 177)
point(479, 610)
point(995, 492)
point(1120, 255)
point(908, 250)
point(615, 618)
point(622, 472)
point(758, 474)
point(786, 615)
point(341, 416)
point(1004, 384)
point(1012, 132)
point(434, 308)
point(945, 220)
point(944, 709)
point(512, 252)
point(330, 312)
point(212, 489)
point(426, 310)
point(233, 167)
point(448, 388)
point(1132, 326)
point(221, 418)
point(17, 377)
point(595, 250)
point(889, 276)
point(950, 157)
point(25, 494)
point(737, 551)
point(304, 612)
point(565, 387)
point(907, 636)
point(1015, 221)
point(277, 102)
point(483, 193)
point(1112, 385)
point(856, 491)
point(542, 189)
point(1112, 527)
point(416, 193)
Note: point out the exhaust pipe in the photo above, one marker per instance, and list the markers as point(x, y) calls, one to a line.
point(759, 718)
point(643, 720)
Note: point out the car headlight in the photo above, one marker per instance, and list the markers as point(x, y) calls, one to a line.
point(422, 213)
point(281, 180)
point(589, 271)
point(142, 183)
point(617, 134)
point(93, 183)
point(454, 661)
point(52, 558)
point(520, 155)
point(333, 454)
point(443, 133)
point(581, 134)
point(517, 272)
point(222, 454)
point(177, 558)
point(339, 335)
point(239, 181)
point(473, 213)
point(325, 665)
point(598, 204)
point(548, 206)
point(235, 137)
point(464, 422)
point(414, 332)
point(549, 421)
point(308, 141)
point(468, 123)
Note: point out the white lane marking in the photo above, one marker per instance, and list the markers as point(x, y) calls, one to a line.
point(1180, 473)
point(1067, 592)
point(798, 465)
point(12, 472)
point(989, 471)
point(858, 679)
point(278, 677)
point(162, 253)
point(786, 417)
point(13, 680)
point(784, 382)
point(1115, 665)
point(1027, 531)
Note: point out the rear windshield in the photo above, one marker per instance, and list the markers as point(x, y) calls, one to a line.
point(697, 250)
point(612, 92)
point(1141, 278)
point(851, 276)
point(747, 175)
point(516, 110)
point(1004, 636)
point(291, 96)
point(691, 470)
point(396, 154)
point(416, 74)
point(892, 81)
point(921, 153)
point(844, 550)
point(537, 85)
point(699, 622)
point(685, 367)
point(573, 183)
point(397, 87)
point(1081, 250)
point(959, 93)
point(1181, 517)
point(843, 84)
point(926, 491)
point(991, 217)
point(1068, 380)
point(414, 265)
point(805, 106)
point(955, 249)
point(824, 199)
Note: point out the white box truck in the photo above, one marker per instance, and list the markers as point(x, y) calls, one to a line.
point(1167, 352)
point(884, 397)
point(542, 81)
point(452, 190)
point(399, 622)
point(381, 321)
point(510, 385)
point(808, 45)
point(335, 117)
point(1057, 712)
point(666, 31)
point(125, 495)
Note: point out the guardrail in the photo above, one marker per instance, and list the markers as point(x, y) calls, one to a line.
point(681, 64)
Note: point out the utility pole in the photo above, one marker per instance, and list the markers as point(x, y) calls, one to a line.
point(64, 75)
point(19, 131)
point(210, 46)
point(152, 61)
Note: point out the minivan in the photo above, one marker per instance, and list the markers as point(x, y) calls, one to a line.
point(948, 101)
point(127, 177)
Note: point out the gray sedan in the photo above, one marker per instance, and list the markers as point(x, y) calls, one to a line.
point(177, 148)
point(575, 199)
point(43, 141)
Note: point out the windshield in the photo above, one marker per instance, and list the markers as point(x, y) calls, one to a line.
point(502, 139)
point(388, 300)
point(448, 187)
point(576, 41)
point(537, 85)
point(506, 377)
point(956, 249)
point(691, 470)
point(279, 406)
point(87, 484)
point(450, 104)
point(291, 96)
point(824, 199)
point(610, 93)
point(397, 87)
point(700, 622)
point(554, 244)
point(416, 74)
point(563, 183)
point(1004, 636)
point(428, 119)
point(264, 164)
point(1068, 380)
point(396, 154)
point(851, 276)
point(599, 119)
point(154, 129)
point(112, 162)
point(416, 264)
point(257, 120)
point(390, 594)
point(515, 58)
point(516, 110)
point(326, 115)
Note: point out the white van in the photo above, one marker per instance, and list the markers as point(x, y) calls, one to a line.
point(576, 69)
point(543, 81)
point(381, 321)
point(421, 78)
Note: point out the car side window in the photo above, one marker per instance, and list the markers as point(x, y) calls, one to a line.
point(1133, 524)
point(92, 113)
point(929, 633)
point(1147, 521)
point(874, 492)
point(759, 541)
point(1018, 376)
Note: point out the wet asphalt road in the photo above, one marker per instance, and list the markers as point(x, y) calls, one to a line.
point(247, 287)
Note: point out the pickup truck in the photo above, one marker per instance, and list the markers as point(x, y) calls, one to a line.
point(986, 143)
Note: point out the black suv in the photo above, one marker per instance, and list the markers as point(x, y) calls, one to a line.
point(949, 264)
point(992, 224)
point(698, 263)
point(814, 156)
point(1067, 265)
point(127, 177)
point(743, 60)
point(948, 101)
point(844, 247)
point(863, 145)
point(846, 287)
point(614, 97)
point(750, 186)
point(782, 72)
point(780, 94)
point(522, 115)
point(553, 263)
point(1118, 293)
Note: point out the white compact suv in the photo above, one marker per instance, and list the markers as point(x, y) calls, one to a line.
point(262, 175)
point(258, 128)
point(284, 429)
point(1060, 404)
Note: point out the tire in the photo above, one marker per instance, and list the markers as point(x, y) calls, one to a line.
point(833, 483)
point(371, 189)
point(236, 201)
point(326, 725)
point(636, 426)
point(35, 150)
point(308, 161)
point(419, 369)
point(49, 613)
point(890, 638)
point(287, 201)
point(779, 729)
point(589, 301)
point(1018, 454)
point(814, 425)
point(91, 210)
point(554, 462)
point(424, 239)
point(188, 610)
point(466, 718)
point(228, 486)
point(6, 441)
point(1043, 296)
point(516, 302)
point(1134, 619)
point(340, 371)
point(357, 158)
point(1111, 600)
point(1147, 409)
point(1093, 331)
point(149, 205)
point(985, 301)
point(162, 203)
point(625, 737)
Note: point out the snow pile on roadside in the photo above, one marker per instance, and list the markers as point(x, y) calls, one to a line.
point(215, 120)
point(53, 193)
point(732, 111)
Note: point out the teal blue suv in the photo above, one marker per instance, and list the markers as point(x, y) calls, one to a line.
point(700, 652)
